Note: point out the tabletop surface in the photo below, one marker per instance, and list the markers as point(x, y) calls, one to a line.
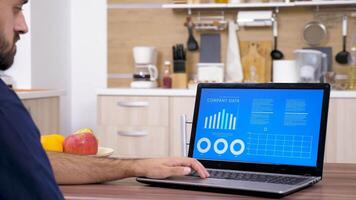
point(339, 182)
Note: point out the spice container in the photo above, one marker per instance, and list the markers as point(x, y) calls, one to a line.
point(166, 78)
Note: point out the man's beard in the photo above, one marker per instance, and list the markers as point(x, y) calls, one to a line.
point(7, 54)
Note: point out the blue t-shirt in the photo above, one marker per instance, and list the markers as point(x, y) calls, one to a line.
point(25, 171)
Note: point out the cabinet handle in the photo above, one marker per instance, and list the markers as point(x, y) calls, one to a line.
point(140, 133)
point(183, 127)
point(133, 104)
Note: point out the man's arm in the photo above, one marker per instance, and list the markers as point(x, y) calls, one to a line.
point(75, 169)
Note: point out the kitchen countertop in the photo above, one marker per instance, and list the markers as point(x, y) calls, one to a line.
point(189, 93)
point(38, 93)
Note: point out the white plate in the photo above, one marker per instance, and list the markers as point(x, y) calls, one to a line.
point(104, 152)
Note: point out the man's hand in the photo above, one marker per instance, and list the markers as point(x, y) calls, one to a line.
point(161, 168)
point(76, 169)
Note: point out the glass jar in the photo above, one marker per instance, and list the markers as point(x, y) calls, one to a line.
point(352, 77)
point(352, 68)
point(329, 77)
point(341, 82)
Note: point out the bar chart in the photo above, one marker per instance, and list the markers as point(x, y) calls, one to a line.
point(222, 120)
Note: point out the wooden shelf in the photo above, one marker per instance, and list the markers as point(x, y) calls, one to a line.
point(259, 5)
point(325, 3)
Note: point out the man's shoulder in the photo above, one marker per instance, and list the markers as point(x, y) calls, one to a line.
point(10, 103)
point(7, 95)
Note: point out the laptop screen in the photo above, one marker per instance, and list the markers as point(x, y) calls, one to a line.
point(264, 126)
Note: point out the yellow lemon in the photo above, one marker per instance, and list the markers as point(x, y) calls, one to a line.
point(52, 142)
point(83, 130)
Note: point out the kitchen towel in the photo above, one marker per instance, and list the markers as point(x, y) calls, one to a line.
point(210, 48)
point(234, 71)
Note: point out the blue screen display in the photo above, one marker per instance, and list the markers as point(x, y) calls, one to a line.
point(266, 126)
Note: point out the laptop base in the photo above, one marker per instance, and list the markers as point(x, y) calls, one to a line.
point(190, 185)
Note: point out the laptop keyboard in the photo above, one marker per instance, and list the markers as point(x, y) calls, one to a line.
point(254, 177)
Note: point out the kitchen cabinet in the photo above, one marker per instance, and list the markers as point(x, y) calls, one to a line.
point(44, 112)
point(135, 142)
point(341, 134)
point(134, 126)
point(159, 117)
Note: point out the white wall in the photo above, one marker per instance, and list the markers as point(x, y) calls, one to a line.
point(21, 70)
point(51, 51)
point(69, 51)
point(88, 59)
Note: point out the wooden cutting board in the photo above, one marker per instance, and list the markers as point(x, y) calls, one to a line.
point(256, 61)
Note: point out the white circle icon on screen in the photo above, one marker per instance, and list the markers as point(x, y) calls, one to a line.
point(208, 145)
point(223, 150)
point(242, 147)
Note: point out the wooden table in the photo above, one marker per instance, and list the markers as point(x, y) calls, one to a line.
point(339, 183)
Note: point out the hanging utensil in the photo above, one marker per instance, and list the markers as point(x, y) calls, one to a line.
point(275, 53)
point(192, 42)
point(342, 56)
point(315, 33)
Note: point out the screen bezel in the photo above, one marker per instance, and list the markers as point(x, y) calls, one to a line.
point(272, 168)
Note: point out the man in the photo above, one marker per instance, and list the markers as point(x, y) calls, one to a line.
point(25, 170)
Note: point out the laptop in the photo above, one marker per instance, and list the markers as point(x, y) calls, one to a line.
point(260, 138)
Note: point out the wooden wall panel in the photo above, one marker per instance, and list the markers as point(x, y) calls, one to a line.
point(163, 28)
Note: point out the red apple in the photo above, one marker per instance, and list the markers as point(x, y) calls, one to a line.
point(84, 143)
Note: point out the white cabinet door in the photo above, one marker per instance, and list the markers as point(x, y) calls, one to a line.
point(341, 132)
point(179, 106)
point(133, 111)
point(135, 126)
point(138, 142)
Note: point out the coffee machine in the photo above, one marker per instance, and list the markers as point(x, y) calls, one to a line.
point(146, 73)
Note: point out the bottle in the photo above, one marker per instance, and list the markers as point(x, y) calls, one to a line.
point(352, 69)
point(221, 1)
point(167, 79)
